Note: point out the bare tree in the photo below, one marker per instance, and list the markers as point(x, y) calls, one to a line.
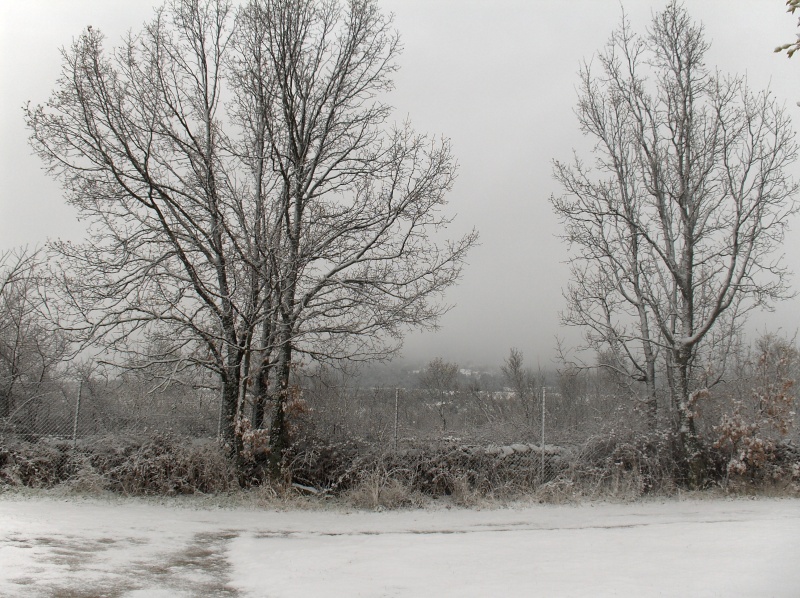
point(522, 381)
point(676, 229)
point(350, 256)
point(31, 347)
point(135, 137)
point(248, 198)
point(440, 382)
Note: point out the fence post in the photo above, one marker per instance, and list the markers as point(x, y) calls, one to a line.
point(544, 396)
point(77, 412)
point(396, 409)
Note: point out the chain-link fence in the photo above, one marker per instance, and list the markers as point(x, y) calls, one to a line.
point(476, 438)
point(540, 434)
point(97, 408)
point(541, 429)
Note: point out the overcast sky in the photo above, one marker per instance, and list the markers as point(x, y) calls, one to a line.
point(497, 77)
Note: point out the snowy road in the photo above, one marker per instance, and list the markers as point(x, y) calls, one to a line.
point(87, 548)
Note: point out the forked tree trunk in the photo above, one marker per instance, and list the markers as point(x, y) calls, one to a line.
point(279, 434)
point(689, 446)
point(230, 403)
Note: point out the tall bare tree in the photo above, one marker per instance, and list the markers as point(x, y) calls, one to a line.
point(676, 228)
point(31, 347)
point(135, 137)
point(349, 254)
point(248, 198)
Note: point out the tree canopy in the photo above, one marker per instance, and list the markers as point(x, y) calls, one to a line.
point(676, 225)
point(247, 194)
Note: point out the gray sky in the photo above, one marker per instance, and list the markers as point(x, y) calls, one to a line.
point(498, 77)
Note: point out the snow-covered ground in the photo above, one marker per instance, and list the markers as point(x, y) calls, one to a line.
point(129, 548)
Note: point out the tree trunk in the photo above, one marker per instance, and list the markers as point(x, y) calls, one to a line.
point(689, 445)
point(230, 407)
point(260, 390)
point(652, 396)
point(261, 383)
point(279, 433)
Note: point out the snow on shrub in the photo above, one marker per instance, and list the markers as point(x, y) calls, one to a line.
point(752, 436)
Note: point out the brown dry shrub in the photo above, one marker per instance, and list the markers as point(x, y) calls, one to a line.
point(463, 472)
point(161, 464)
point(84, 478)
point(331, 467)
point(752, 438)
point(33, 464)
point(617, 466)
point(380, 489)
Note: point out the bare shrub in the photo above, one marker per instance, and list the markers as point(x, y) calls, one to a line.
point(616, 465)
point(161, 464)
point(380, 487)
point(620, 466)
point(84, 477)
point(466, 473)
point(35, 465)
point(164, 464)
point(752, 435)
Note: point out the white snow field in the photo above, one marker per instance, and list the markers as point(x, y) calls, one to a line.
point(134, 548)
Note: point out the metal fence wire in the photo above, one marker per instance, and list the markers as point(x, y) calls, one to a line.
point(544, 434)
point(91, 409)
